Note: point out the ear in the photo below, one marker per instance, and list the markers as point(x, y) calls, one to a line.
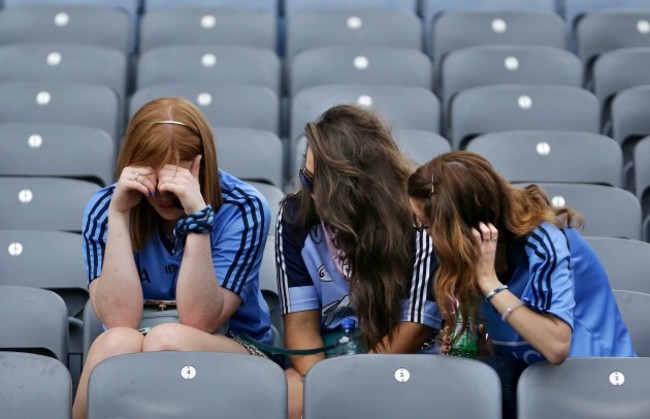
point(196, 166)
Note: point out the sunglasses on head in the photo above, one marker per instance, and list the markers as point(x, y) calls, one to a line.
point(306, 178)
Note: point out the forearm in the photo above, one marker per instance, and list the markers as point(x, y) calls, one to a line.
point(199, 296)
point(302, 331)
point(117, 295)
point(407, 338)
point(547, 334)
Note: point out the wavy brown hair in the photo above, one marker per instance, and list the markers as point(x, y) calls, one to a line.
point(359, 189)
point(466, 191)
point(148, 143)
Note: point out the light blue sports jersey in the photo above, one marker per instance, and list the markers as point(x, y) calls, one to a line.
point(240, 230)
point(555, 271)
point(309, 280)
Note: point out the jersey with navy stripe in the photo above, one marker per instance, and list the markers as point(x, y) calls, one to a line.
point(240, 230)
point(309, 280)
point(555, 271)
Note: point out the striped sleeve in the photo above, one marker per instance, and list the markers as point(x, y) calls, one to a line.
point(420, 306)
point(550, 287)
point(237, 251)
point(94, 230)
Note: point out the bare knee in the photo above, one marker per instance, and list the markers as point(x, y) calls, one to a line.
point(116, 341)
point(164, 337)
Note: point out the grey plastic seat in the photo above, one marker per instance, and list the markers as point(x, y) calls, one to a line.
point(634, 307)
point(209, 64)
point(629, 119)
point(35, 321)
point(625, 261)
point(642, 181)
point(228, 105)
point(292, 7)
point(552, 156)
point(401, 386)
point(34, 386)
point(430, 9)
point(61, 102)
point(608, 211)
point(401, 107)
point(486, 109)
point(92, 328)
point(64, 62)
point(250, 154)
point(266, 5)
point(420, 146)
point(356, 64)
point(507, 64)
point(72, 22)
point(601, 31)
point(193, 384)
point(209, 25)
point(574, 10)
point(273, 195)
point(585, 388)
point(353, 27)
point(468, 28)
point(269, 288)
point(43, 203)
point(620, 69)
point(56, 150)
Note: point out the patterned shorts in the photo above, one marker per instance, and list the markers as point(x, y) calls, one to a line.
point(248, 346)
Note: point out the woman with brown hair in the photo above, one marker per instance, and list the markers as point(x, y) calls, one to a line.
point(173, 227)
point(346, 247)
point(513, 263)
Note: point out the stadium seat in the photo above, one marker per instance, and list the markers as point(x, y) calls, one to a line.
point(507, 64)
point(625, 261)
point(552, 156)
point(209, 64)
point(353, 27)
point(191, 384)
point(584, 387)
point(273, 196)
point(608, 211)
point(35, 321)
point(56, 150)
point(292, 7)
point(420, 146)
point(208, 26)
point(642, 181)
point(356, 64)
point(224, 105)
point(72, 22)
point(266, 5)
point(43, 203)
point(92, 328)
point(486, 109)
point(269, 288)
point(401, 386)
point(634, 307)
point(469, 28)
point(59, 102)
point(34, 386)
point(250, 154)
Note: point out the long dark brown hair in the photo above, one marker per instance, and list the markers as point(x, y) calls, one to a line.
point(359, 189)
point(459, 190)
point(150, 143)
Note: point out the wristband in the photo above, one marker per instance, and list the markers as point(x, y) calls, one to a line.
point(510, 309)
point(197, 222)
point(495, 291)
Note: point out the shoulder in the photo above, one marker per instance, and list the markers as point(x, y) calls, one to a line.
point(97, 206)
point(546, 240)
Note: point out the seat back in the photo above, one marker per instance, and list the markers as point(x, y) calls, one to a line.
point(625, 261)
point(420, 146)
point(634, 307)
point(642, 181)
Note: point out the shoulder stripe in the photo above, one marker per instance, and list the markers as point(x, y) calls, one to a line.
point(546, 253)
point(97, 219)
point(420, 277)
point(549, 287)
point(281, 268)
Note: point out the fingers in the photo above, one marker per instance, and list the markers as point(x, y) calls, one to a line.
point(196, 167)
point(142, 179)
point(485, 233)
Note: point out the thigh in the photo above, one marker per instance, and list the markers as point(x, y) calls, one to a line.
point(179, 337)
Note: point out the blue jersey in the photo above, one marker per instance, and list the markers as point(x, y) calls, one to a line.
point(240, 230)
point(308, 278)
point(555, 271)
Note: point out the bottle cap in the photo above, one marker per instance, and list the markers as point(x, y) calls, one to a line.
point(348, 323)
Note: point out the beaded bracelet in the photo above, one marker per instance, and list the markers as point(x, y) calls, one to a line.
point(510, 309)
point(196, 222)
point(492, 293)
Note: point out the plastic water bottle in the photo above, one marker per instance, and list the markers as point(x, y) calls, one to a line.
point(348, 343)
point(466, 344)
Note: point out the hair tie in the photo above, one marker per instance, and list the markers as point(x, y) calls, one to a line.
point(197, 222)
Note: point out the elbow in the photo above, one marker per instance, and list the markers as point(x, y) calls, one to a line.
point(558, 353)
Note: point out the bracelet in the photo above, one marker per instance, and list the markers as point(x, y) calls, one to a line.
point(492, 293)
point(510, 309)
point(196, 222)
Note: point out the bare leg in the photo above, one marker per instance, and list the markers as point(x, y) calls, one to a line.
point(179, 337)
point(115, 341)
point(294, 383)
